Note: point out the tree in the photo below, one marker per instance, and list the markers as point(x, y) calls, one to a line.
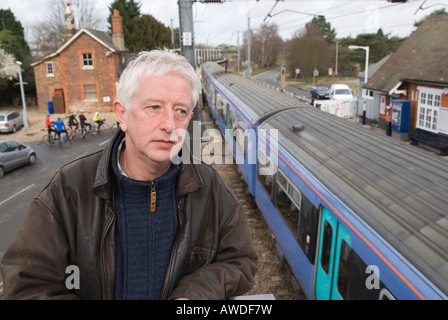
point(13, 47)
point(129, 10)
point(308, 50)
point(321, 24)
point(49, 33)
point(146, 33)
point(265, 45)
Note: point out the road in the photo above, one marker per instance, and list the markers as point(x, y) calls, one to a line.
point(268, 79)
point(20, 186)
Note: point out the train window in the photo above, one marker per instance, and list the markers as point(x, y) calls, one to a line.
point(265, 172)
point(288, 209)
point(344, 269)
point(220, 107)
point(326, 247)
point(295, 195)
point(308, 225)
point(282, 180)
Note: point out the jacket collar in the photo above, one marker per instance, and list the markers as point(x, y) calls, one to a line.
point(188, 180)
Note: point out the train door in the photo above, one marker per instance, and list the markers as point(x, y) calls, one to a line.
point(333, 259)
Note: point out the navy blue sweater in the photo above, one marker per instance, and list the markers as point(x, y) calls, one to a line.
point(144, 239)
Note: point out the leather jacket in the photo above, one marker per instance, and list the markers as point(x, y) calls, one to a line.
point(71, 222)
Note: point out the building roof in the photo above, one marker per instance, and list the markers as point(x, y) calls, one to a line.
point(102, 37)
point(423, 57)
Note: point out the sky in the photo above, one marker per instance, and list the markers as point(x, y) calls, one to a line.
point(215, 24)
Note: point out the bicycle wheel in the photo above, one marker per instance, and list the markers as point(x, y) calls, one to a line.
point(105, 127)
point(48, 140)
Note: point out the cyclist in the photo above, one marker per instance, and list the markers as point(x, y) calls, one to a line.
point(72, 121)
point(82, 121)
point(98, 119)
point(48, 125)
point(59, 127)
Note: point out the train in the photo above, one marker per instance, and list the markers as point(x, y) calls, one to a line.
point(356, 214)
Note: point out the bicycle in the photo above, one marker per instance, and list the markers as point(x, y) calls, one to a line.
point(63, 138)
point(104, 127)
point(73, 133)
point(49, 139)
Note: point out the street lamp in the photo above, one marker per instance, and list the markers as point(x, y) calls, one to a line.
point(366, 72)
point(25, 118)
point(366, 77)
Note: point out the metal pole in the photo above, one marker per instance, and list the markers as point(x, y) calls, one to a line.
point(22, 92)
point(366, 78)
point(186, 30)
point(248, 48)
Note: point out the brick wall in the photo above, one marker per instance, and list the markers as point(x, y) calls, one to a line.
point(101, 75)
point(46, 85)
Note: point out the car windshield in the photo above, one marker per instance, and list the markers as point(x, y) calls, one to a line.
point(2, 118)
point(342, 91)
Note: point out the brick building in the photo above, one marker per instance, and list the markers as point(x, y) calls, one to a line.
point(82, 73)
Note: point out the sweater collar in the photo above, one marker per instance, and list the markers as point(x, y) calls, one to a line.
point(188, 179)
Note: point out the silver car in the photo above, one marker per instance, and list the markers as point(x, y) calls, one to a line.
point(14, 154)
point(10, 121)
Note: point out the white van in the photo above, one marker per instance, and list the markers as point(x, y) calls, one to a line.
point(340, 92)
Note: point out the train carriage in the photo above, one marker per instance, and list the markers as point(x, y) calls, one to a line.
point(356, 214)
point(238, 105)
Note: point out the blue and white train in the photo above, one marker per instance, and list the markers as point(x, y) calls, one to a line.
point(356, 214)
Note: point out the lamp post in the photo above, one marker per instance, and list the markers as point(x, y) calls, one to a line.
point(366, 77)
point(25, 118)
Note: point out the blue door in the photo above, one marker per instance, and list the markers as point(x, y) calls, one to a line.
point(333, 259)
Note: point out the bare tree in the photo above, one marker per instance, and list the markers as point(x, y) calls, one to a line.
point(49, 32)
point(308, 51)
point(266, 44)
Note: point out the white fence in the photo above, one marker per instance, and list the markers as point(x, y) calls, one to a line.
point(340, 108)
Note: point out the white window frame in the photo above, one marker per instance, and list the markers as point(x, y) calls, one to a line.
point(49, 67)
point(428, 110)
point(84, 66)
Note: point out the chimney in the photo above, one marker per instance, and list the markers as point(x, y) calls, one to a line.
point(117, 30)
point(70, 29)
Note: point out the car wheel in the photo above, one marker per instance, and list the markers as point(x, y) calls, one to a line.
point(2, 171)
point(14, 129)
point(32, 158)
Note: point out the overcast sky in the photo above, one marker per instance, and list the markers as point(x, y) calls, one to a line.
point(222, 23)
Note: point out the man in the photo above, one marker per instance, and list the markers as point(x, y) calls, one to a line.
point(48, 124)
point(82, 121)
point(72, 121)
point(127, 220)
point(59, 127)
point(98, 119)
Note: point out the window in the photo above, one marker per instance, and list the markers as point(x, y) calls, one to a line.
point(428, 109)
point(90, 93)
point(50, 70)
point(288, 201)
point(326, 247)
point(265, 172)
point(87, 61)
point(344, 269)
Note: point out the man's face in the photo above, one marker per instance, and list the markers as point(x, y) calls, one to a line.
point(160, 109)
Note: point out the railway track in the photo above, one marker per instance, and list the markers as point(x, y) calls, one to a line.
point(273, 276)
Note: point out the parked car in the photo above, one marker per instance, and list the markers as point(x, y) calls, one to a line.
point(10, 121)
point(320, 92)
point(340, 92)
point(14, 154)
